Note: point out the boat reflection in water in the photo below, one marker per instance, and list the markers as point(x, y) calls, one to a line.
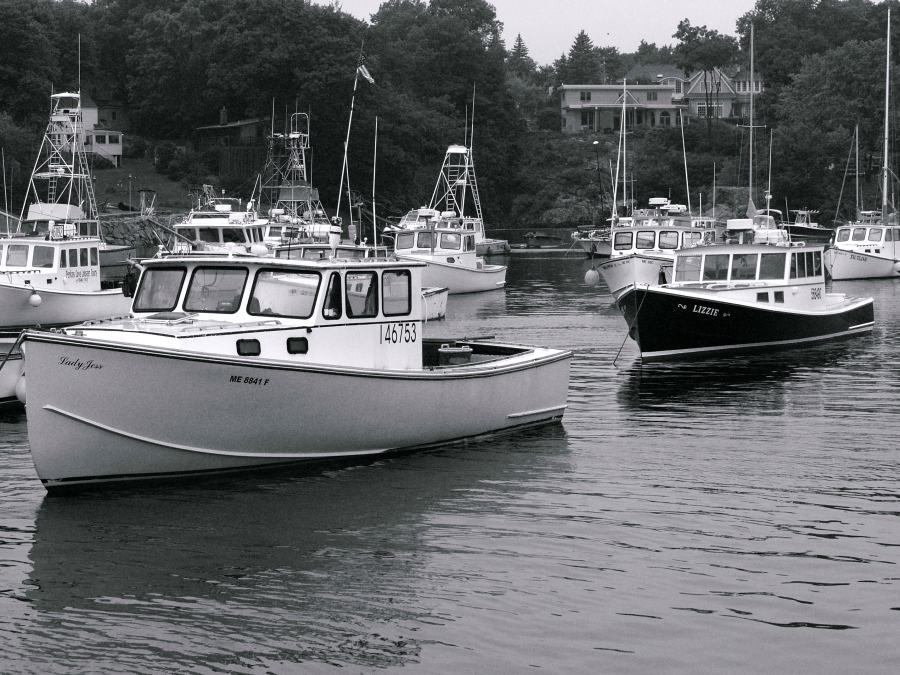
point(327, 565)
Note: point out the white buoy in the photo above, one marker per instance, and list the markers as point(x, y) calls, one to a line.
point(592, 277)
point(34, 300)
point(259, 249)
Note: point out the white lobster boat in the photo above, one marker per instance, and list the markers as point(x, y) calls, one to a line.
point(50, 269)
point(452, 261)
point(868, 249)
point(240, 362)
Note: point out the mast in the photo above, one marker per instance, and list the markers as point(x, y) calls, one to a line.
point(887, 98)
point(752, 84)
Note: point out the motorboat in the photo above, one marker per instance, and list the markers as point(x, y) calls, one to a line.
point(642, 252)
point(236, 362)
point(804, 228)
point(219, 224)
point(866, 249)
point(455, 204)
point(741, 298)
point(449, 252)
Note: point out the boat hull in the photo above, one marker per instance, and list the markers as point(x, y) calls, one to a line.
point(844, 265)
point(434, 303)
point(670, 325)
point(485, 247)
point(811, 235)
point(57, 308)
point(101, 412)
point(460, 279)
point(596, 248)
point(624, 272)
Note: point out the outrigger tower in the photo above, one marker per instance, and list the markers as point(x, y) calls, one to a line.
point(291, 197)
point(457, 179)
point(61, 191)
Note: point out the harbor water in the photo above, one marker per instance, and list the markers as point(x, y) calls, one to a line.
point(737, 515)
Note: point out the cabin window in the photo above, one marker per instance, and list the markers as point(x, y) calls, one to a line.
point(743, 267)
point(451, 240)
point(83, 257)
point(95, 257)
point(73, 257)
point(888, 235)
point(216, 289)
point(281, 293)
point(645, 239)
point(88, 229)
point(715, 267)
point(859, 234)
point(43, 256)
point(691, 239)
point(17, 255)
point(248, 348)
point(762, 297)
point(668, 240)
point(469, 243)
point(159, 289)
point(209, 234)
point(875, 234)
point(405, 240)
point(233, 235)
point(687, 268)
point(332, 307)
point(63, 258)
point(623, 241)
point(426, 240)
point(297, 345)
point(843, 234)
point(779, 296)
point(771, 265)
point(396, 291)
point(362, 294)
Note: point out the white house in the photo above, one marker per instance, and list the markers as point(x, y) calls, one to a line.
point(98, 139)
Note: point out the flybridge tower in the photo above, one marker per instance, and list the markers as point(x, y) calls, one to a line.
point(61, 187)
point(457, 180)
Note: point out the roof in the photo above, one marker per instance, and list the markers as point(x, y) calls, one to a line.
point(655, 72)
point(232, 125)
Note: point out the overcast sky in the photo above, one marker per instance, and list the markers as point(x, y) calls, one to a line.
point(549, 27)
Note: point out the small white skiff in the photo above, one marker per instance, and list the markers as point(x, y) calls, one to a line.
point(237, 362)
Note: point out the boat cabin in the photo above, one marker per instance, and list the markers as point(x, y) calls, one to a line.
point(659, 240)
point(438, 242)
point(324, 251)
point(762, 272)
point(70, 263)
point(867, 239)
point(362, 313)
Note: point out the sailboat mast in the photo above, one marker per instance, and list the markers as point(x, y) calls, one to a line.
point(887, 98)
point(752, 84)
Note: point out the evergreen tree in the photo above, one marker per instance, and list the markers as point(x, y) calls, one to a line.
point(519, 62)
point(582, 65)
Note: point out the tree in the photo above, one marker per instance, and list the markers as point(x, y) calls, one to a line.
point(582, 65)
point(519, 62)
point(703, 49)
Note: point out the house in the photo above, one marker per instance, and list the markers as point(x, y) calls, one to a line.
point(99, 139)
point(658, 95)
point(240, 145)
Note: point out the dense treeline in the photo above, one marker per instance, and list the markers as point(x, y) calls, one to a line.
point(176, 63)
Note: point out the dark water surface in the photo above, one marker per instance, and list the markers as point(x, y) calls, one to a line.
point(737, 515)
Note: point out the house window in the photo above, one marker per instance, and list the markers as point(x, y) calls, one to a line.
point(113, 139)
point(677, 86)
point(587, 118)
point(113, 115)
point(585, 96)
point(88, 140)
point(665, 119)
point(652, 118)
point(101, 139)
point(651, 95)
point(711, 111)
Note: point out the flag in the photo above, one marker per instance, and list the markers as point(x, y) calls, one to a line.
point(362, 70)
point(751, 209)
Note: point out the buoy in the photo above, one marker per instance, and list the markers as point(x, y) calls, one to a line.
point(20, 389)
point(794, 290)
point(34, 300)
point(260, 250)
point(592, 277)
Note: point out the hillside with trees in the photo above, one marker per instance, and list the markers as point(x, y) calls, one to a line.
point(444, 70)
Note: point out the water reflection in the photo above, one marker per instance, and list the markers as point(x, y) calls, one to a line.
point(326, 567)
